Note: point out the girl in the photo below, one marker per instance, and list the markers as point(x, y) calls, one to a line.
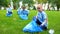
point(39, 22)
point(24, 13)
point(9, 11)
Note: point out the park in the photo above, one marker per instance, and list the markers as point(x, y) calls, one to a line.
point(14, 24)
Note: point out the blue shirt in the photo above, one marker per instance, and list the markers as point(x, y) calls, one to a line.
point(24, 12)
point(9, 9)
point(42, 16)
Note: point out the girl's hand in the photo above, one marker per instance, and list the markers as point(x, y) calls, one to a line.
point(36, 16)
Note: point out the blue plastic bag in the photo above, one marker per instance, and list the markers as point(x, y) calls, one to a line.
point(32, 27)
point(24, 17)
point(9, 14)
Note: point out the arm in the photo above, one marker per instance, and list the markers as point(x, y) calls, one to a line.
point(37, 16)
point(45, 21)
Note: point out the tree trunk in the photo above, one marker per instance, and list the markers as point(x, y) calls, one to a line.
point(58, 7)
point(48, 7)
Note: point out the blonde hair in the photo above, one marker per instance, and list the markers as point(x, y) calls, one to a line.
point(39, 5)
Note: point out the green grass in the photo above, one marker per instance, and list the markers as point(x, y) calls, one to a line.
point(14, 24)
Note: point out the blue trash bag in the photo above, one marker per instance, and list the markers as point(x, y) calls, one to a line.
point(24, 17)
point(9, 14)
point(34, 18)
point(32, 27)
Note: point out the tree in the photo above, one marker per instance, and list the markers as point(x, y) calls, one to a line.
point(16, 3)
point(4, 3)
point(55, 2)
point(41, 1)
point(29, 2)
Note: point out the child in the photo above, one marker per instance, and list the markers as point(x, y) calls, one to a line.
point(9, 11)
point(24, 13)
point(39, 22)
point(41, 17)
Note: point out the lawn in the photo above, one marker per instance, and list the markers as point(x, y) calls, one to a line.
point(14, 24)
